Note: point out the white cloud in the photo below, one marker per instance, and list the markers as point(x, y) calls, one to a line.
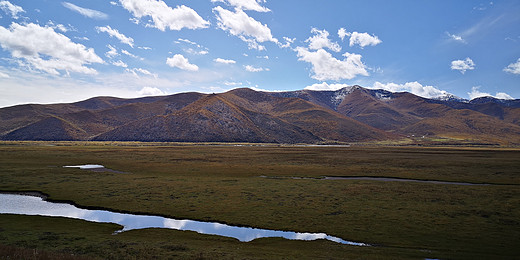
point(46, 50)
point(255, 69)
point(188, 41)
point(94, 14)
point(321, 40)
point(59, 27)
point(503, 95)
point(115, 33)
point(151, 91)
point(363, 39)
point(120, 63)
point(11, 9)
point(163, 16)
point(454, 37)
point(82, 38)
point(513, 67)
point(342, 33)
point(127, 53)
point(252, 5)
point(288, 42)
point(325, 86)
point(224, 61)
point(249, 30)
point(135, 72)
point(231, 83)
point(196, 52)
point(463, 65)
point(476, 93)
point(326, 67)
point(112, 52)
point(415, 88)
point(179, 61)
point(4, 75)
point(144, 48)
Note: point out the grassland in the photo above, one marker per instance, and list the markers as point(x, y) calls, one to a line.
point(222, 183)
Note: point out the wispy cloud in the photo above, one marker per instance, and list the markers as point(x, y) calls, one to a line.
point(90, 13)
point(115, 33)
point(456, 38)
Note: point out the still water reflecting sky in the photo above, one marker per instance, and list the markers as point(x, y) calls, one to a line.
point(31, 205)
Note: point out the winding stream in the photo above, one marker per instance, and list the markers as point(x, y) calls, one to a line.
point(33, 205)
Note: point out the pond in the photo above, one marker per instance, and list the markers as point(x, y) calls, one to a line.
point(34, 205)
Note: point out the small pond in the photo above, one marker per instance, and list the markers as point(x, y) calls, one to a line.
point(33, 205)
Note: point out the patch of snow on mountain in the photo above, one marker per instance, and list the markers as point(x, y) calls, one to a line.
point(340, 94)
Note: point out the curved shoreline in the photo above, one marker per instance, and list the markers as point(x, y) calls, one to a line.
point(226, 228)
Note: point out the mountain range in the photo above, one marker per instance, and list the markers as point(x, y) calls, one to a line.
point(351, 114)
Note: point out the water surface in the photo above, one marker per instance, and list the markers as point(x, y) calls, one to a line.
point(32, 205)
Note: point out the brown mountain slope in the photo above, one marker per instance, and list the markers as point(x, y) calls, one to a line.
point(320, 121)
point(467, 124)
point(244, 115)
point(211, 119)
point(380, 112)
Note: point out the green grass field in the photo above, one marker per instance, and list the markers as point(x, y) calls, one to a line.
point(223, 184)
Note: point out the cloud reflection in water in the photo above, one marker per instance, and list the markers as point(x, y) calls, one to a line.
point(31, 205)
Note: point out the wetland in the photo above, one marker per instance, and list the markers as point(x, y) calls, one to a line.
point(220, 184)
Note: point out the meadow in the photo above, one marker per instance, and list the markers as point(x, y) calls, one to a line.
point(223, 183)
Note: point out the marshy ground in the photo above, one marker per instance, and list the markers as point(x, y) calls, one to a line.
point(222, 183)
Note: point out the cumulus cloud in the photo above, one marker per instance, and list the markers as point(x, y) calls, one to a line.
point(255, 69)
point(163, 16)
point(513, 67)
point(476, 93)
point(115, 33)
point(463, 65)
point(321, 40)
point(326, 67)
point(342, 33)
point(252, 5)
point(11, 9)
point(224, 61)
point(150, 91)
point(239, 24)
point(94, 14)
point(415, 88)
point(363, 39)
point(179, 61)
point(44, 49)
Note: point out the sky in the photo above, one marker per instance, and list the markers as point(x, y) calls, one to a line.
point(65, 51)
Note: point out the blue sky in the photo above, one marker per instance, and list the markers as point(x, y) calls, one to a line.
point(64, 51)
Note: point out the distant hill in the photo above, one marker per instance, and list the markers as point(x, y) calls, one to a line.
point(351, 114)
